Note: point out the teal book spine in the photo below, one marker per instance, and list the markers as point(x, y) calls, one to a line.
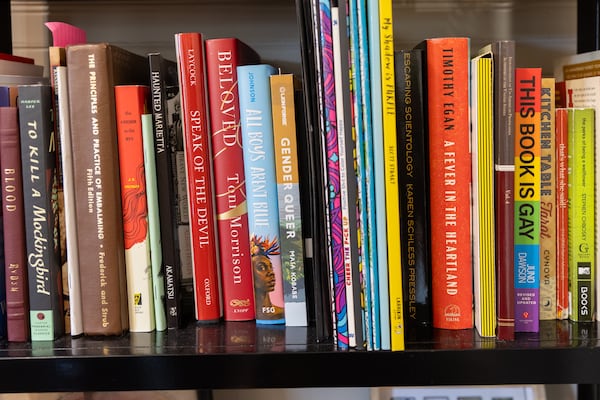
point(254, 91)
point(156, 260)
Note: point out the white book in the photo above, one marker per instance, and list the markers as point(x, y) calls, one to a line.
point(64, 131)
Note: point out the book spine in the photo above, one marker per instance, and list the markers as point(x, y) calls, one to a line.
point(13, 220)
point(527, 198)
point(222, 58)
point(413, 178)
point(379, 179)
point(94, 69)
point(484, 278)
point(371, 274)
point(562, 215)
point(392, 201)
point(261, 191)
point(38, 163)
point(358, 179)
point(289, 200)
point(163, 74)
point(450, 173)
point(158, 276)
point(547, 202)
point(330, 43)
point(190, 64)
point(66, 157)
point(130, 104)
point(581, 218)
point(503, 53)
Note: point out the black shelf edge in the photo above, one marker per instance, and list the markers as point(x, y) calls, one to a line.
point(242, 355)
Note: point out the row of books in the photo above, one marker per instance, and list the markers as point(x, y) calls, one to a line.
point(149, 157)
point(437, 171)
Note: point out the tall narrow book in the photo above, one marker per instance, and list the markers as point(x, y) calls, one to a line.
point(261, 191)
point(392, 201)
point(585, 93)
point(562, 214)
point(581, 215)
point(547, 202)
point(198, 169)
point(158, 274)
point(131, 102)
point(66, 158)
point(503, 55)
point(13, 221)
point(222, 58)
point(94, 70)
point(283, 90)
point(38, 165)
point(447, 59)
point(413, 180)
point(164, 88)
point(528, 83)
point(482, 147)
point(378, 166)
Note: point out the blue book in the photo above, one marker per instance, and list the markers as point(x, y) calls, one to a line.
point(380, 226)
point(261, 190)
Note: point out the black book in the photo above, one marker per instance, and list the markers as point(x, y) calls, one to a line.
point(40, 199)
point(413, 184)
point(164, 93)
point(312, 176)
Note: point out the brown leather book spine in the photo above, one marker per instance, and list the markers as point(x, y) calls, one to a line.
point(94, 70)
point(17, 300)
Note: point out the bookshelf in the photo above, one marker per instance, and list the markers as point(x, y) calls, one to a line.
point(202, 357)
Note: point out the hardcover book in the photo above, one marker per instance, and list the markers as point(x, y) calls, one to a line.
point(158, 275)
point(283, 88)
point(38, 165)
point(562, 214)
point(13, 221)
point(581, 216)
point(547, 202)
point(503, 56)
point(447, 59)
point(482, 147)
point(94, 70)
point(261, 191)
point(528, 83)
point(413, 181)
point(222, 58)
point(165, 117)
point(131, 102)
point(199, 177)
point(392, 200)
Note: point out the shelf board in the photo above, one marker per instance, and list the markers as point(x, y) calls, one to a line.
point(243, 355)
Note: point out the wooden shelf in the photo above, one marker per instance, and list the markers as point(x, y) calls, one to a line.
point(242, 355)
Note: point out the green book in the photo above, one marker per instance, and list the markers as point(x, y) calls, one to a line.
point(581, 220)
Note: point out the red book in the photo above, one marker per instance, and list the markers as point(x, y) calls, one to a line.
point(130, 103)
point(13, 219)
point(222, 58)
point(562, 213)
point(12, 57)
point(196, 144)
point(450, 181)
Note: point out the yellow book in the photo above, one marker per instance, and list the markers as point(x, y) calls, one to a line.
point(392, 201)
point(547, 203)
point(482, 145)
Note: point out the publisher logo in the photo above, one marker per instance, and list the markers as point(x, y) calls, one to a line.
point(452, 313)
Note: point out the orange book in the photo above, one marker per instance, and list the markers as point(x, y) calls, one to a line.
point(447, 71)
point(130, 103)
